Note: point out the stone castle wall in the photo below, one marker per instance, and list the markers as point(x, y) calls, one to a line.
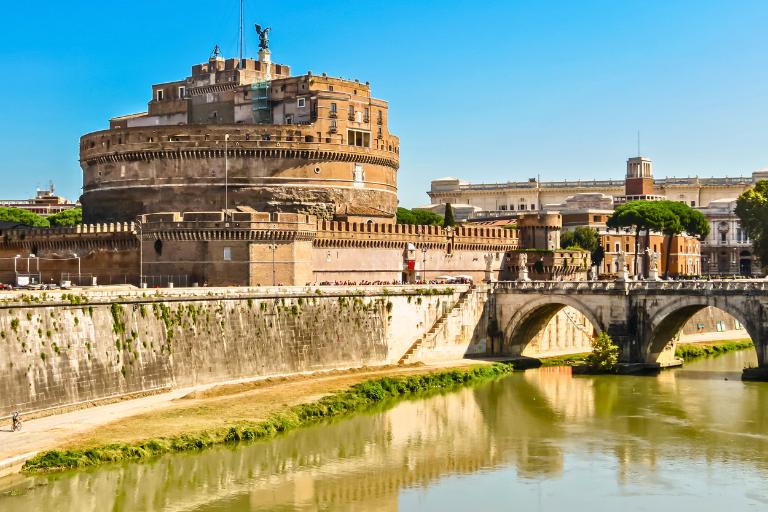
point(59, 349)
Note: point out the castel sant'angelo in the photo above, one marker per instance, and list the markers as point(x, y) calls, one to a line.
point(241, 174)
point(305, 144)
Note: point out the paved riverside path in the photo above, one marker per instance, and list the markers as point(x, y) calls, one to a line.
point(52, 431)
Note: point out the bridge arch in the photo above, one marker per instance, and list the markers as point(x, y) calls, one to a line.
point(666, 323)
point(528, 321)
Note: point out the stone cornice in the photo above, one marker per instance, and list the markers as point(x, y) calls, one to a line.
point(186, 153)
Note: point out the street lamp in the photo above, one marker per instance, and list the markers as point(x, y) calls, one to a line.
point(140, 228)
point(226, 171)
point(273, 248)
point(424, 263)
point(15, 259)
point(79, 278)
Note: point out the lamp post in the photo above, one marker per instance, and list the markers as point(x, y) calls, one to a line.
point(424, 264)
point(140, 228)
point(273, 248)
point(226, 171)
point(15, 259)
point(79, 278)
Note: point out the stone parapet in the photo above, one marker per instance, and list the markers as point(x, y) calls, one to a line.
point(345, 234)
point(89, 235)
point(190, 142)
point(232, 225)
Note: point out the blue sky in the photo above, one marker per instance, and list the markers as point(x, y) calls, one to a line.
point(487, 91)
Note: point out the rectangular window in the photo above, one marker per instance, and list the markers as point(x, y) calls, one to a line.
point(227, 254)
point(358, 138)
point(182, 92)
point(333, 107)
point(301, 102)
point(330, 88)
point(693, 204)
point(533, 206)
point(289, 119)
point(160, 94)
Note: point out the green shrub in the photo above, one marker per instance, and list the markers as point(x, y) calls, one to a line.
point(604, 356)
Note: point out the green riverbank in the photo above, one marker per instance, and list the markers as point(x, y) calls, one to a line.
point(689, 351)
point(567, 360)
point(357, 398)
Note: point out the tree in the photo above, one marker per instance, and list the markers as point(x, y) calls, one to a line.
point(418, 217)
point(604, 357)
point(669, 217)
point(752, 211)
point(629, 215)
point(67, 218)
point(22, 217)
point(449, 221)
point(681, 218)
point(584, 238)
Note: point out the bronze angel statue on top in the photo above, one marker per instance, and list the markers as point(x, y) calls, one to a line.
point(263, 36)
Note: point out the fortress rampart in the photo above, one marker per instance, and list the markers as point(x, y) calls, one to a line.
point(131, 171)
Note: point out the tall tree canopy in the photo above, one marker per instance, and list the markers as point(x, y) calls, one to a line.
point(668, 217)
point(67, 218)
point(23, 217)
point(418, 217)
point(752, 210)
point(584, 238)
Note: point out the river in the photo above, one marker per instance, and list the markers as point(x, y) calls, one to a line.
point(694, 438)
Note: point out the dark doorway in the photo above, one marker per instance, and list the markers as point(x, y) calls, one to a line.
point(745, 263)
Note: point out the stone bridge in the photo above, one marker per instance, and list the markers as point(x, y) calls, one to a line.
point(644, 318)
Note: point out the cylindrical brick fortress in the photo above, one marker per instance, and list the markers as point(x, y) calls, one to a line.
point(131, 171)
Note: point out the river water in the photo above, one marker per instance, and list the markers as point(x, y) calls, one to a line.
point(694, 438)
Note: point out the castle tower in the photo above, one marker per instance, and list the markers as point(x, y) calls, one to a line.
point(639, 179)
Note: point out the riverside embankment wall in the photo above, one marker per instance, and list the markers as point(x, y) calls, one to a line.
point(59, 348)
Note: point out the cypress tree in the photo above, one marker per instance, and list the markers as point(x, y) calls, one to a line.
point(449, 218)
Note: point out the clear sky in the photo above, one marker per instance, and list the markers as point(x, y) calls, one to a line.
point(484, 90)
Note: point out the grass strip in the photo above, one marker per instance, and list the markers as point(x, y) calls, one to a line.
point(357, 398)
point(688, 351)
point(567, 360)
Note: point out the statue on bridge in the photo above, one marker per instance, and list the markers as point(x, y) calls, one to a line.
point(653, 265)
point(621, 263)
point(522, 264)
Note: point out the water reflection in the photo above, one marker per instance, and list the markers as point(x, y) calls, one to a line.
point(658, 436)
